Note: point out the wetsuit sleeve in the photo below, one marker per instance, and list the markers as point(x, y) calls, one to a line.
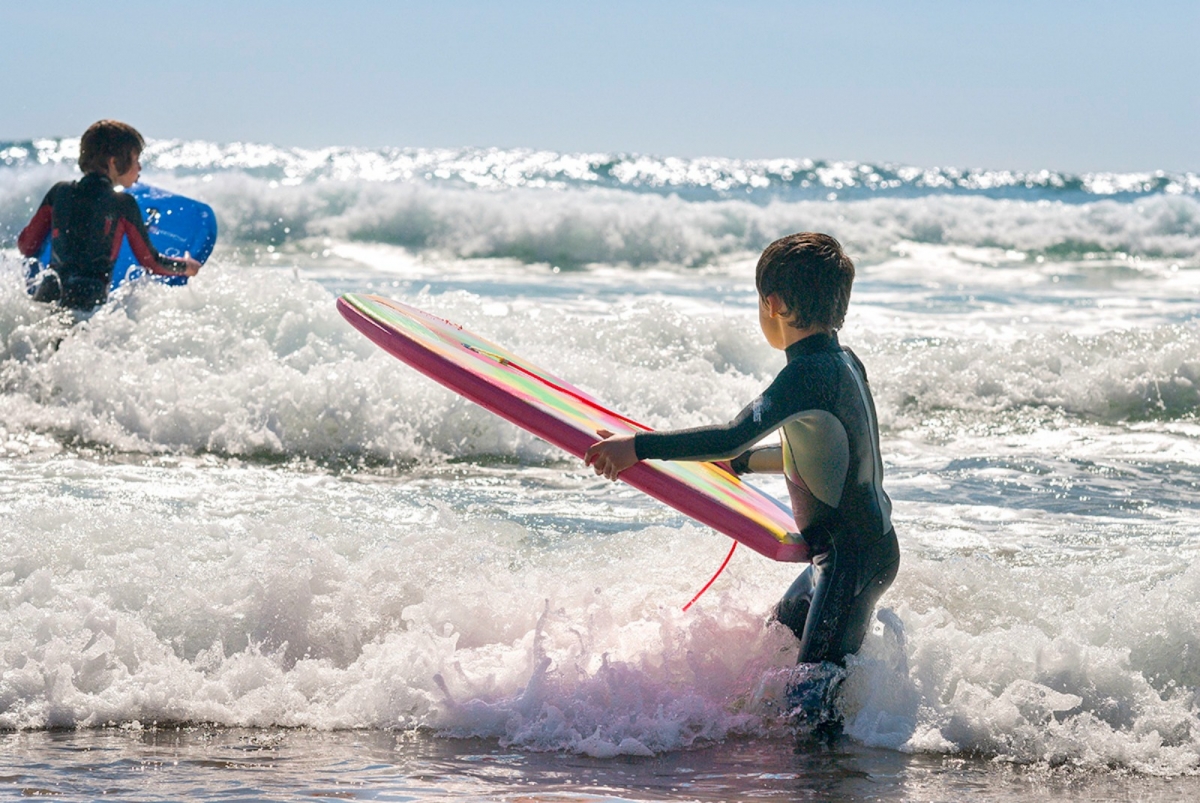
point(718, 442)
point(133, 228)
point(33, 236)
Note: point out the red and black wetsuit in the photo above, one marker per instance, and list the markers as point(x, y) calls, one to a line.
point(86, 220)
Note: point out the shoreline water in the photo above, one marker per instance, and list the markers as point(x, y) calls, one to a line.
point(196, 762)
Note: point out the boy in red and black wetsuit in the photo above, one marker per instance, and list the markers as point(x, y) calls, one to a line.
point(829, 451)
point(86, 220)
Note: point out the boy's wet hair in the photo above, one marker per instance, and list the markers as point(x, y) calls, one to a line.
point(812, 277)
point(109, 139)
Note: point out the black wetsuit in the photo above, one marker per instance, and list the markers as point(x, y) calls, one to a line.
point(86, 220)
point(823, 405)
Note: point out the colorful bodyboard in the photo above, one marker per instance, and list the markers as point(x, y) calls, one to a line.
point(178, 225)
point(569, 418)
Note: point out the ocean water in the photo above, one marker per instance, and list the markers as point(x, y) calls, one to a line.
point(245, 554)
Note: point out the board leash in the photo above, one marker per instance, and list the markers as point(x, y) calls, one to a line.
point(713, 579)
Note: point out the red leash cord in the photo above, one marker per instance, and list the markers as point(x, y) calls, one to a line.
point(700, 593)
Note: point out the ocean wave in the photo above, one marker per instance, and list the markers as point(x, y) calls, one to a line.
point(575, 223)
point(580, 228)
point(246, 364)
point(176, 548)
point(577, 229)
point(1121, 376)
point(249, 364)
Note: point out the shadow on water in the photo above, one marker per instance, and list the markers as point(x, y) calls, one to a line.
point(275, 764)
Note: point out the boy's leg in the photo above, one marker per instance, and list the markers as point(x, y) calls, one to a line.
point(792, 610)
point(83, 293)
point(831, 599)
point(845, 589)
point(877, 568)
point(794, 607)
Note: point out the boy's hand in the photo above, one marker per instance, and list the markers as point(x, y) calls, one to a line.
point(612, 455)
point(191, 266)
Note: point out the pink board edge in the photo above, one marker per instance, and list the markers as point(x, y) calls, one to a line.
point(642, 476)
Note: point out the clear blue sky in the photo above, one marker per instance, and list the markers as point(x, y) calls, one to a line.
point(1053, 84)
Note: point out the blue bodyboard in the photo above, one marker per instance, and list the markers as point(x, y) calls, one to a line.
point(178, 225)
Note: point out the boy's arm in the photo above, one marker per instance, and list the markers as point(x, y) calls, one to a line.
point(134, 229)
point(614, 454)
point(759, 460)
point(33, 236)
point(718, 442)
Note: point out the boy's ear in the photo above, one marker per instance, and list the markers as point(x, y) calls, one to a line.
point(775, 306)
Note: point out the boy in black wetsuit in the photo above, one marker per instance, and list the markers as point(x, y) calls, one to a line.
point(829, 452)
point(86, 220)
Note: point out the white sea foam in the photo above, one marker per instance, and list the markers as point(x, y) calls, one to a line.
point(246, 364)
point(263, 597)
point(257, 362)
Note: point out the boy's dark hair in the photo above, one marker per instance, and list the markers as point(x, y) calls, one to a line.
point(812, 277)
point(109, 139)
